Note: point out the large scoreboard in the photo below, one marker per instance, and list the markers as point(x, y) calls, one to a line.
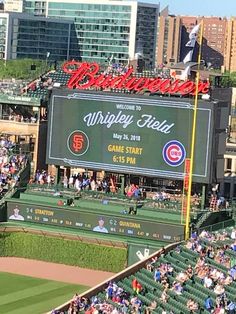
point(139, 135)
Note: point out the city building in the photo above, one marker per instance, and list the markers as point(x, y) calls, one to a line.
point(168, 38)
point(13, 5)
point(27, 36)
point(230, 46)
point(30, 6)
point(35, 7)
point(213, 44)
point(121, 30)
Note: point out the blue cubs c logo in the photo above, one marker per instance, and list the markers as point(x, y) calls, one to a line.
point(174, 153)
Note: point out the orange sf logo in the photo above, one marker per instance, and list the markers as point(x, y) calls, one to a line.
point(77, 142)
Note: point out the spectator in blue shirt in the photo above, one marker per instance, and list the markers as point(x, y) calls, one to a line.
point(194, 235)
point(233, 246)
point(109, 291)
point(232, 272)
point(208, 304)
point(231, 307)
point(157, 275)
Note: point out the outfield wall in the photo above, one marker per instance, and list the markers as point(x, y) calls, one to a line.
point(63, 251)
point(20, 241)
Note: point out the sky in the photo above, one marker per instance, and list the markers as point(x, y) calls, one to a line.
point(199, 7)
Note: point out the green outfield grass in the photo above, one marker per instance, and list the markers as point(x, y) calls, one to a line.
point(28, 295)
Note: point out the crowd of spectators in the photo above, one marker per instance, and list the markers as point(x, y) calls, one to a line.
point(81, 182)
point(21, 118)
point(10, 164)
point(118, 69)
point(11, 87)
point(206, 246)
point(211, 276)
point(44, 82)
point(42, 177)
point(76, 181)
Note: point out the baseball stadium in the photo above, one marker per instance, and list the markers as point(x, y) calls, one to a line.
point(112, 194)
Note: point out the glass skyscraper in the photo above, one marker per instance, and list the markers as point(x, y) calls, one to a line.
point(106, 28)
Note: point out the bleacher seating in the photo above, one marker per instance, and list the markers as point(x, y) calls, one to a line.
point(41, 91)
point(193, 288)
point(38, 93)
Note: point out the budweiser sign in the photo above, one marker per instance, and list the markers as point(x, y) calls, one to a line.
point(86, 75)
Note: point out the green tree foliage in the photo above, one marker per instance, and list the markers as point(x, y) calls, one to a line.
point(232, 78)
point(21, 69)
point(228, 79)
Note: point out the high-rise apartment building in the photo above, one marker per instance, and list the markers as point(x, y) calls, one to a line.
point(168, 38)
point(105, 28)
point(230, 46)
point(213, 44)
point(214, 29)
point(28, 36)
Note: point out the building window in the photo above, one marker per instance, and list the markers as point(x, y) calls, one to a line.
point(229, 164)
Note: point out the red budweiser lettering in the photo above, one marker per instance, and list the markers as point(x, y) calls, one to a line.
point(86, 75)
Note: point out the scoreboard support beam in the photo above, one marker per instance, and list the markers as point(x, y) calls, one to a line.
point(203, 196)
point(122, 187)
point(58, 175)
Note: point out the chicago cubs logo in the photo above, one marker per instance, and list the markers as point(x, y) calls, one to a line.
point(78, 143)
point(174, 153)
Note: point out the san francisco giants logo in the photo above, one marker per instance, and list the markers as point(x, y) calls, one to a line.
point(78, 143)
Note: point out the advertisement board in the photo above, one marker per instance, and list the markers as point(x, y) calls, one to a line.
point(126, 226)
point(146, 136)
